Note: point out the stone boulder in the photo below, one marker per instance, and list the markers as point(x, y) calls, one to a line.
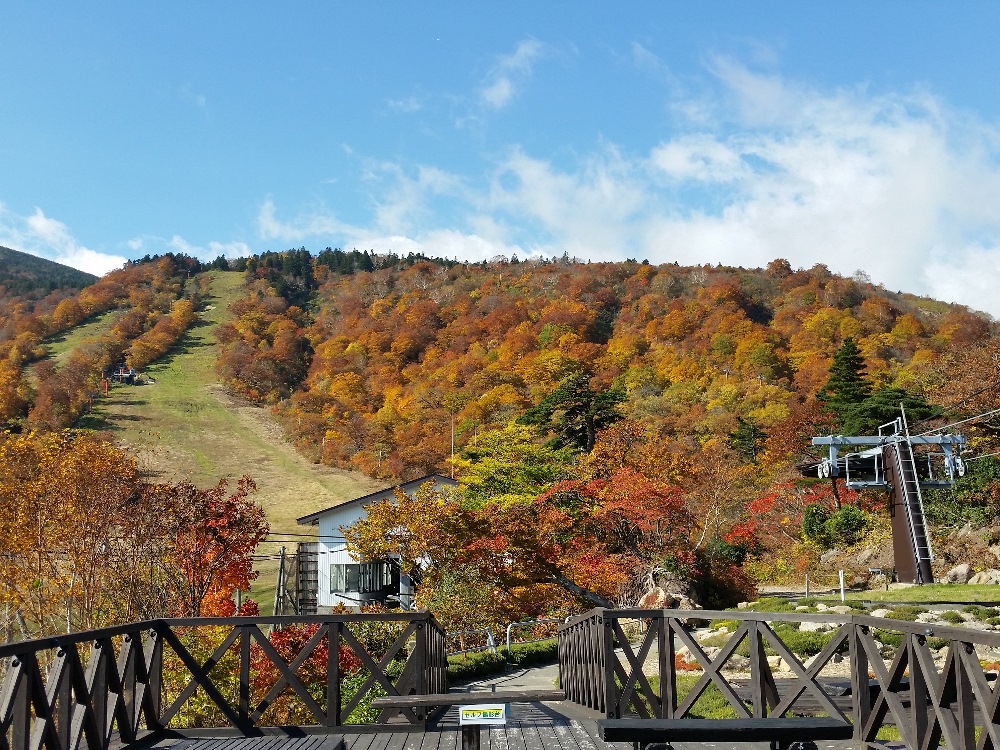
point(657, 598)
point(965, 530)
point(959, 574)
point(989, 577)
point(817, 627)
point(674, 582)
point(737, 663)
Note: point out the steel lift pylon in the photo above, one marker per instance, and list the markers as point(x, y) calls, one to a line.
point(887, 461)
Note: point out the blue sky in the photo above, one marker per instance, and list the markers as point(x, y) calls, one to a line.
point(861, 135)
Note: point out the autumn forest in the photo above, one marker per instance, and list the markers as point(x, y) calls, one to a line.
point(611, 425)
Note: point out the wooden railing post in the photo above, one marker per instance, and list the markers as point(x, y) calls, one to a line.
point(97, 686)
point(861, 701)
point(965, 698)
point(668, 669)
point(153, 650)
point(756, 670)
point(16, 689)
point(608, 651)
point(128, 674)
point(64, 695)
point(333, 674)
point(421, 666)
point(244, 699)
point(918, 689)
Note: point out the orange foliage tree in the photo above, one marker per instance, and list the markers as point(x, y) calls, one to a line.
point(587, 540)
point(213, 537)
point(84, 541)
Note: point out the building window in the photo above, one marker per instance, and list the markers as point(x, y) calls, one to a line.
point(360, 578)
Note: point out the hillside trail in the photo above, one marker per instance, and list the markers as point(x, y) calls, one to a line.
point(183, 425)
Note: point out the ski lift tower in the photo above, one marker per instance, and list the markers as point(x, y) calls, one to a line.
point(887, 461)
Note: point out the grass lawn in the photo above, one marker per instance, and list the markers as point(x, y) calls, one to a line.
point(184, 426)
point(60, 345)
point(711, 704)
point(928, 594)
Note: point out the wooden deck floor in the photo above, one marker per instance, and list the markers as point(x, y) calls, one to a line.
point(530, 727)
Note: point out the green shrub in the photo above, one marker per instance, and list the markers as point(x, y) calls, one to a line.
point(803, 643)
point(980, 612)
point(906, 612)
point(993, 621)
point(716, 641)
point(526, 654)
point(711, 704)
point(952, 616)
point(731, 624)
point(936, 643)
point(773, 604)
point(842, 528)
point(847, 525)
point(814, 519)
point(475, 664)
point(485, 663)
point(889, 637)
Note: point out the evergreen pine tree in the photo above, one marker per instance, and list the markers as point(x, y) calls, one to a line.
point(847, 385)
point(882, 407)
point(575, 412)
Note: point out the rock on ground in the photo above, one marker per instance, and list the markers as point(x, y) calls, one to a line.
point(959, 574)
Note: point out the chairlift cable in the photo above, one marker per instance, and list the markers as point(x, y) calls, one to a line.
point(985, 455)
point(955, 424)
point(953, 407)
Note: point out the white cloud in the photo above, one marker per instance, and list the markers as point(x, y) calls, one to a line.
point(403, 203)
point(318, 223)
point(445, 243)
point(407, 105)
point(969, 273)
point(49, 238)
point(897, 185)
point(501, 85)
point(850, 180)
point(880, 183)
point(698, 157)
point(587, 213)
point(212, 250)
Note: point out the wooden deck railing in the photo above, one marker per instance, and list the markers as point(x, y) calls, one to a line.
point(602, 669)
point(205, 675)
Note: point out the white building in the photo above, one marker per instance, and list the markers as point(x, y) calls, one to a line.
point(340, 577)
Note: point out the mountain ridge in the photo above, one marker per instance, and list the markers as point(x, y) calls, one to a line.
point(22, 273)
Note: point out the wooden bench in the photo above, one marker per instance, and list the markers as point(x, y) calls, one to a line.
point(781, 733)
point(470, 733)
point(474, 697)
